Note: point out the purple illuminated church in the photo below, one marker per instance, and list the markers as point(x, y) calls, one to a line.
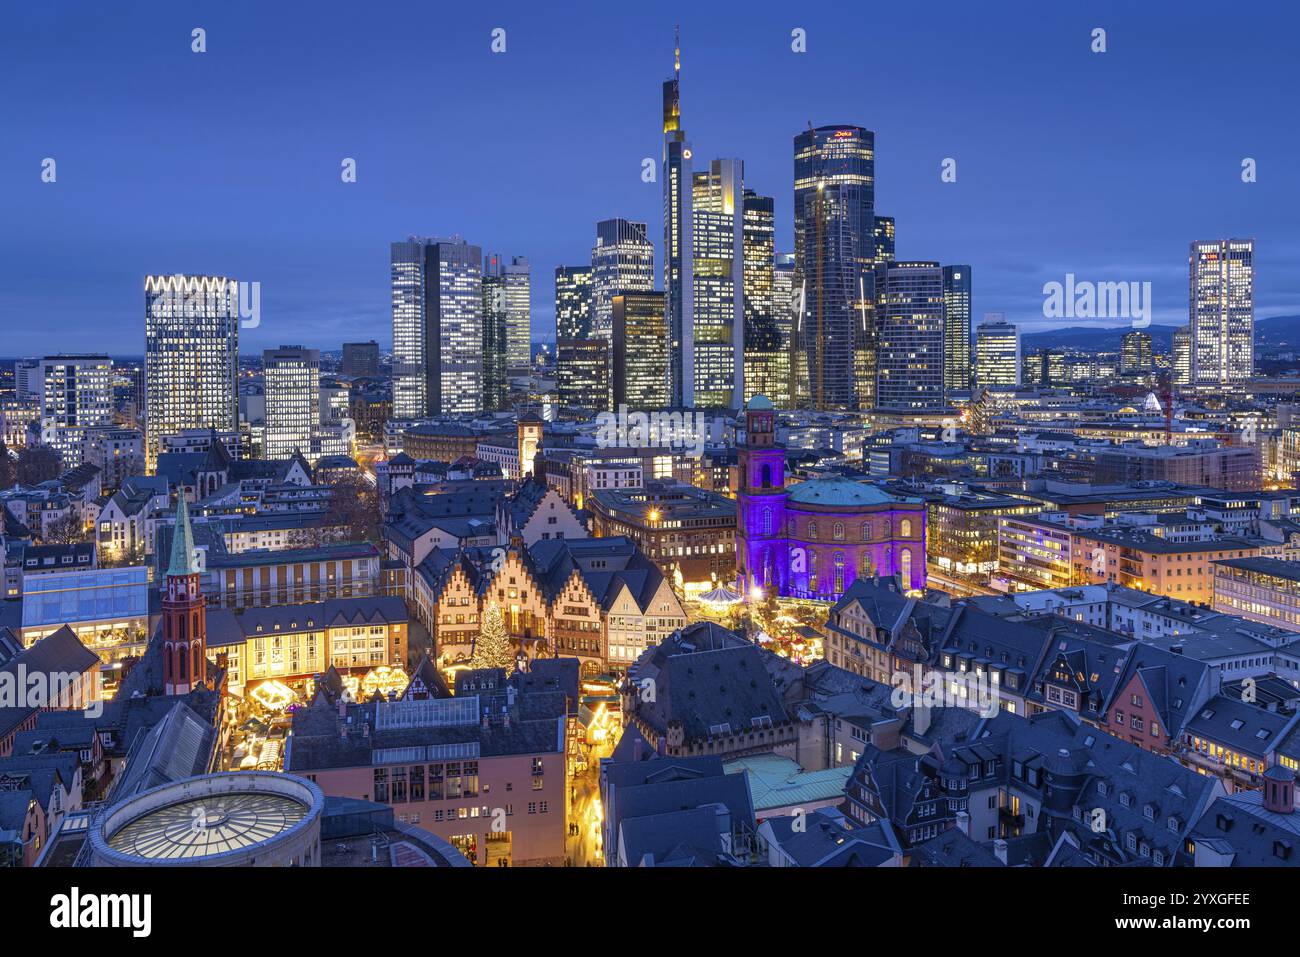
point(813, 539)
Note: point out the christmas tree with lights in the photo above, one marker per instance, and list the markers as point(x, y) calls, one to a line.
point(492, 649)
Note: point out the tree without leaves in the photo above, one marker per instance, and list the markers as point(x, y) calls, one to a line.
point(37, 464)
point(64, 531)
point(354, 506)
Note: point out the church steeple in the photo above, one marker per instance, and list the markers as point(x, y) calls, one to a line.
point(182, 556)
point(184, 613)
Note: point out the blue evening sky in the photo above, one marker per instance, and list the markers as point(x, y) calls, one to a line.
point(227, 162)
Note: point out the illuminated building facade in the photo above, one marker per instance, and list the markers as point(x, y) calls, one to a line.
point(956, 328)
point(766, 348)
point(292, 643)
point(1135, 353)
point(516, 296)
point(292, 377)
point(623, 260)
point(834, 236)
point(1266, 590)
point(997, 352)
point(713, 353)
point(76, 394)
point(495, 335)
point(884, 239)
point(640, 351)
point(678, 244)
point(572, 302)
point(583, 375)
point(1221, 310)
point(1181, 359)
point(812, 540)
point(910, 337)
point(191, 356)
point(437, 327)
point(787, 309)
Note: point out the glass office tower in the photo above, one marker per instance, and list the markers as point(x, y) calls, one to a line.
point(956, 301)
point(191, 358)
point(834, 233)
point(1221, 310)
point(910, 335)
point(437, 289)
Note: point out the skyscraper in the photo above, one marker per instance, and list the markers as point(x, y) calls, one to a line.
point(767, 355)
point(834, 235)
point(572, 302)
point(1181, 357)
point(1135, 352)
point(292, 382)
point(495, 337)
point(437, 327)
point(191, 356)
point(677, 196)
point(516, 276)
point(956, 335)
point(1221, 310)
point(640, 351)
point(884, 235)
point(997, 352)
point(583, 375)
point(623, 259)
point(713, 356)
point(360, 359)
point(76, 393)
point(787, 308)
point(909, 314)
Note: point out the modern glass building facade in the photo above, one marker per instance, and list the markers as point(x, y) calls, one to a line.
point(910, 336)
point(108, 608)
point(715, 349)
point(437, 327)
point(495, 337)
point(956, 334)
point(834, 235)
point(640, 351)
point(884, 239)
point(76, 394)
point(191, 356)
point(572, 302)
point(677, 189)
point(516, 286)
point(583, 375)
point(623, 260)
point(767, 353)
point(997, 352)
point(1221, 310)
point(292, 378)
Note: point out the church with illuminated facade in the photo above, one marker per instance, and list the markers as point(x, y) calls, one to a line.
point(814, 538)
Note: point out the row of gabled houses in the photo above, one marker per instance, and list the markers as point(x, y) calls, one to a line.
point(526, 550)
point(1214, 691)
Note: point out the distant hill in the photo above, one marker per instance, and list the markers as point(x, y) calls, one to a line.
point(1278, 331)
point(1089, 339)
point(1273, 332)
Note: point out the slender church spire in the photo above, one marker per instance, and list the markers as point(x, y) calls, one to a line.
point(182, 556)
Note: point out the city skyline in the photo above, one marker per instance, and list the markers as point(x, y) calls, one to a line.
point(1126, 209)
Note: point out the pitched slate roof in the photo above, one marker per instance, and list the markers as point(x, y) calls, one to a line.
point(709, 680)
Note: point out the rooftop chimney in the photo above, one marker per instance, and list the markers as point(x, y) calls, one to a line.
point(1000, 850)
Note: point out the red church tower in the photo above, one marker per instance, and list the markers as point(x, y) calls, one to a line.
point(184, 616)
